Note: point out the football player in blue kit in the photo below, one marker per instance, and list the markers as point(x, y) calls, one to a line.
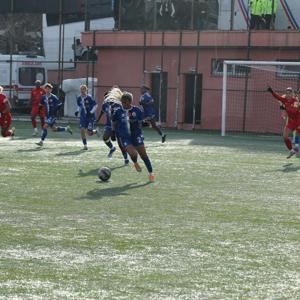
point(106, 110)
point(120, 125)
point(51, 104)
point(128, 120)
point(146, 101)
point(86, 108)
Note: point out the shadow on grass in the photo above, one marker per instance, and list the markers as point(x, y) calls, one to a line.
point(248, 142)
point(97, 194)
point(94, 172)
point(257, 143)
point(31, 150)
point(22, 138)
point(287, 168)
point(71, 153)
point(157, 145)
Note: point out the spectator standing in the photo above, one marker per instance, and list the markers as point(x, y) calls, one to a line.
point(167, 15)
point(115, 8)
point(269, 9)
point(79, 50)
point(256, 10)
point(183, 14)
point(200, 14)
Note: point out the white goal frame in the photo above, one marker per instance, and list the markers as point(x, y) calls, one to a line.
point(246, 63)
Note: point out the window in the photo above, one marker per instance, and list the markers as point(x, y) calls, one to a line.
point(232, 70)
point(27, 75)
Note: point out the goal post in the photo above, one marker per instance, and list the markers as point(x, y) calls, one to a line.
point(246, 104)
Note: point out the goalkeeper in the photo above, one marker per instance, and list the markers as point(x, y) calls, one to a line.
point(295, 141)
point(292, 108)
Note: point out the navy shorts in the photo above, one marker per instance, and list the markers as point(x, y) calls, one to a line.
point(107, 129)
point(149, 117)
point(50, 121)
point(125, 141)
point(87, 124)
point(137, 140)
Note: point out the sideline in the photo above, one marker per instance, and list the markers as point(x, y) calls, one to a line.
point(27, 118)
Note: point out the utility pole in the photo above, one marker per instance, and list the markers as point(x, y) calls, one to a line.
point(11, 45)
point(87, 20)
point(273, 15)
point(60, 44)
point(232, 14)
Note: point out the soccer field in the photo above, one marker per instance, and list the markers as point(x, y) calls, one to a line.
point(221, 221)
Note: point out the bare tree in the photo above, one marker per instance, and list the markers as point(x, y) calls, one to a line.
point(25, 30)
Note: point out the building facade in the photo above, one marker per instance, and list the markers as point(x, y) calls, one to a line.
point(184, 71)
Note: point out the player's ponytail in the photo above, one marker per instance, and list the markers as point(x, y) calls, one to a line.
point(114, 95)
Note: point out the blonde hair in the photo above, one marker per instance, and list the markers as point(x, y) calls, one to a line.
point(1, 89)
point(114, 95)
point(84, 86)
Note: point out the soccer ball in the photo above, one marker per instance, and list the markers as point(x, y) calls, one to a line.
point(104, 173)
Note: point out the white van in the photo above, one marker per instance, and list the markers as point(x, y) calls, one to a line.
point(26, 69)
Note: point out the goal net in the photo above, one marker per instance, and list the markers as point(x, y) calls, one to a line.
point(246, 105)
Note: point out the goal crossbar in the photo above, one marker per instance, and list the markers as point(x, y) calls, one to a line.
point(261, 63)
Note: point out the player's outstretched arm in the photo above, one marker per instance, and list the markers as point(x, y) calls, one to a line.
point(275, 95)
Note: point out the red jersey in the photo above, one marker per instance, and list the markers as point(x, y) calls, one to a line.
point(3, 102)
point(36, 95)
point(291, 106)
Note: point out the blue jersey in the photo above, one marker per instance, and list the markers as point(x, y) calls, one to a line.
point(146, 101)
point(51, 104)
point(135, 116)
point(86, 104)
point(121, 120)
point(107, 111)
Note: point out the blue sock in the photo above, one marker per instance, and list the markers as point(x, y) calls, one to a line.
point(148, 164)
point(61, 129)
point(296, 139)
point(109, 144)
point(84, 141)
point(124, 153)
point(44, 134)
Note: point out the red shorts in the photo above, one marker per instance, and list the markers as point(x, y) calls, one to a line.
point(36, 111)
point(5, 120)
point(293, 125)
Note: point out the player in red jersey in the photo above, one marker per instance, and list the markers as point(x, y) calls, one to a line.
point(5, 116)
point(292, 108)
point(37, 110)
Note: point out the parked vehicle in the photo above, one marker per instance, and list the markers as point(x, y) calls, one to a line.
point(18, 74)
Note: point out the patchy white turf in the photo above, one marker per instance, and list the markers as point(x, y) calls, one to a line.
point(220, 222)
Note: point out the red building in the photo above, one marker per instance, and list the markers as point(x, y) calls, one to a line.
point(129, 59)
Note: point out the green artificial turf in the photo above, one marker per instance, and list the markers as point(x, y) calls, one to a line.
point(221, 221)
